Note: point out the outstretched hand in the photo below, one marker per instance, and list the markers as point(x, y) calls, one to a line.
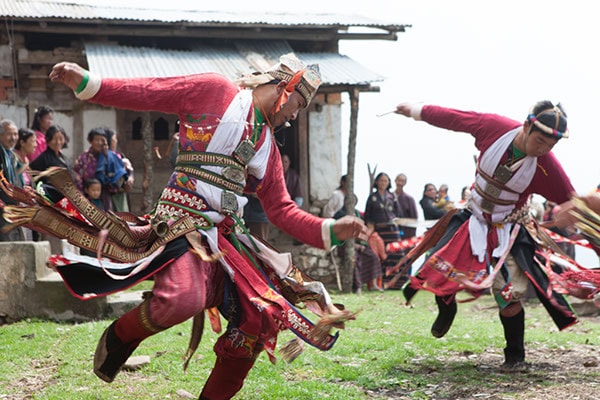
point(349, 227)
point(404, 109)
point(67, 73)
point(564, 217)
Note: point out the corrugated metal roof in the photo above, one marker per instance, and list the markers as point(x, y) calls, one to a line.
point(244, 57)
point(176, 12)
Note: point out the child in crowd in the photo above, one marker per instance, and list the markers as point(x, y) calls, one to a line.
point(443, 199)
point(93, 190)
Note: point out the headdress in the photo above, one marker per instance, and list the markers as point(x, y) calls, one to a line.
point(549, 120)
point(305, 79)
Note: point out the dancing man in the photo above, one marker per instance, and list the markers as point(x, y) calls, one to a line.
point(200, 254)
point(495, 230)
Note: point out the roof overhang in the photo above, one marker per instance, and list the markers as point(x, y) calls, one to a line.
point(338, 71)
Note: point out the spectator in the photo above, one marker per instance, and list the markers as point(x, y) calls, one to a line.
point(443, 199)
point(465, 195)
point(380, 211)
point(9, 135)
point(56, 140)
point(120, 195)
point(368, 255)
point(255, 217)
point(336, 201)
point(407, 206)
point(368, 258)
point(93, 191)
point(430, 211)
point(292, 180)
point(23, 150)
point(42, 120)
point(86, 164)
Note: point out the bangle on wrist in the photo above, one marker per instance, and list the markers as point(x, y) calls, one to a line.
point(334, 240)
point(84, 82)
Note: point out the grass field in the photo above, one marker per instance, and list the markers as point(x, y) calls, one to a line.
point(387, 353)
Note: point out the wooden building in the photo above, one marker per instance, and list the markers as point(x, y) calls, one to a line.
point(133, 41)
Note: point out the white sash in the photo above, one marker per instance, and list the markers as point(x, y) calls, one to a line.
point(226, 138)
point(520, 180)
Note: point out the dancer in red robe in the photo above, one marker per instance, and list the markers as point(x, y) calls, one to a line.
point(201, 256)
point(493, 241)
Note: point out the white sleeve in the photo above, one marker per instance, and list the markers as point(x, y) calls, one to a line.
point(92, 87)
point(415, 111)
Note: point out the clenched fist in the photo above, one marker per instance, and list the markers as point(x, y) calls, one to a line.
point(349, 227)
point(67, 73)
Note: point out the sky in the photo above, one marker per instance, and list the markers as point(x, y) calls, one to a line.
point(469, 55)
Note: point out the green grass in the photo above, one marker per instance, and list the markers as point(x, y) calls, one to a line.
point(387, 350)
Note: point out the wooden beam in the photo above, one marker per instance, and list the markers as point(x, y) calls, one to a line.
point(220, 31)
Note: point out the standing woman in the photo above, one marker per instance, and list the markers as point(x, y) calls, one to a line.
point(24, 148)
point(120, 195)
point(56, 139)
point(42, 120)
point(87, 162)
point(380, 211)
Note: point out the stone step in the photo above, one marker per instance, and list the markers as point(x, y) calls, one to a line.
point(50, 298)
point(122, 302)
point(117, 304)
point(52, 276)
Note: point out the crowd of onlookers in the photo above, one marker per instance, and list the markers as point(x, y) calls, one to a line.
point(103, 173)
point(391, 216)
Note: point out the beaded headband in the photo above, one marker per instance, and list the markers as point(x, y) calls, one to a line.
point(290, 67)
point(534, 119)
point(306, 79)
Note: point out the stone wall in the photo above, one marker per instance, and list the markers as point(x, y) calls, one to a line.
point(28, 289)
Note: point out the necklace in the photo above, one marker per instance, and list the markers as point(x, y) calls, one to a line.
point(262, 112)
point(505, 171)
point(514, 156)
point(258, 125)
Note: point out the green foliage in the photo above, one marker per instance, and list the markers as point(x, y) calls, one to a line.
point(387, 349)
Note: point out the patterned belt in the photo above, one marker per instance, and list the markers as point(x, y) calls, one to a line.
point(165, 211)
point(212, 178)
point(172, 195)
point(215, 159)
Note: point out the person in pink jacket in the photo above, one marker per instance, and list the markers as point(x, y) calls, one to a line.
point(227, 148)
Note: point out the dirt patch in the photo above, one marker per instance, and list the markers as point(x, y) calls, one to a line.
point(568, 374)
point(42, 375)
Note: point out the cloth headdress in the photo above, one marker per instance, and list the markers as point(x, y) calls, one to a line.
point(552, 119)
point(305, 79)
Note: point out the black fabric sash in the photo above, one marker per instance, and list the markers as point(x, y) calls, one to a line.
point(86, 281)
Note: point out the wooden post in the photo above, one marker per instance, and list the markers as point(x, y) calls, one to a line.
point(147, 187)
point(349, 202)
